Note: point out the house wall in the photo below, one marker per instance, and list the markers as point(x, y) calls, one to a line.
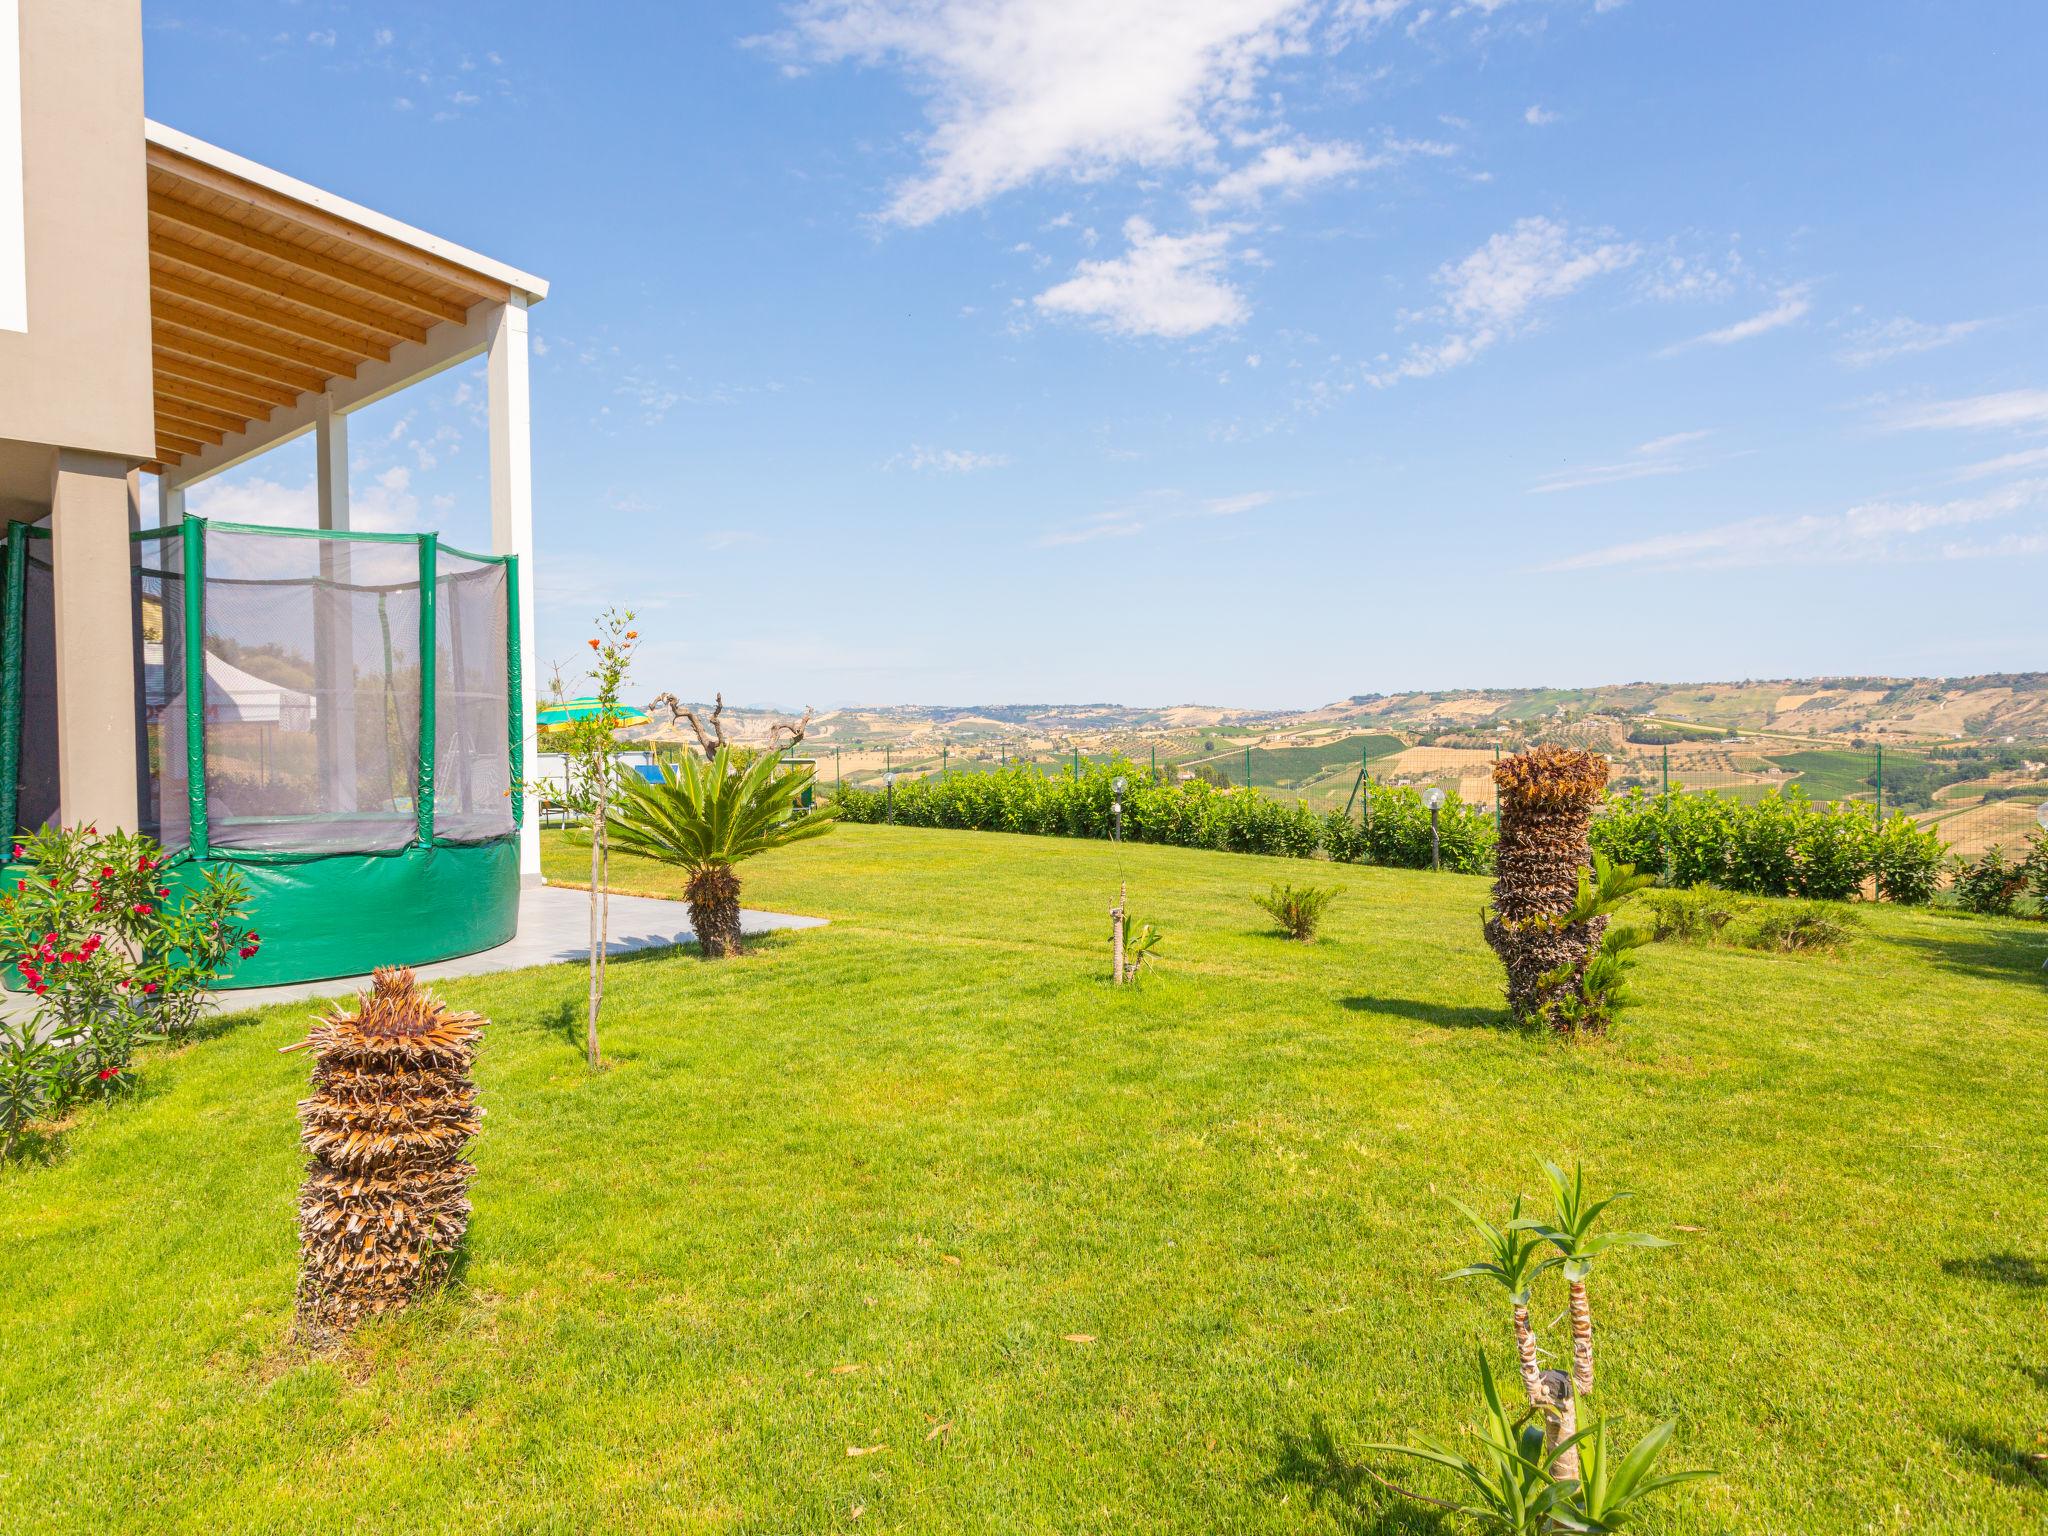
point(79, 376)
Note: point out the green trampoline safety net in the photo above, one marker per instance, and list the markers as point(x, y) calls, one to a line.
point(349, 693)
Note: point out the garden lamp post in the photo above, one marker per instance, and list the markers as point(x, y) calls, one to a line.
point(889, 796)
point(1116, 810)
point(1434, 799)
point(2041, 815)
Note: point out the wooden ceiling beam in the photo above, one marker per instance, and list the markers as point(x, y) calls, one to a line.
point(261, 313)
point(320, 222)
point(173, 399)
point(205, 345)
point(180, 353)
point(184, 446)
point(251, 350)
point(213, 264)
point(180, 379)
point(168, 212)
point(199, 431)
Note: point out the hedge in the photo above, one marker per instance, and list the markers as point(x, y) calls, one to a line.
point(1190, 814)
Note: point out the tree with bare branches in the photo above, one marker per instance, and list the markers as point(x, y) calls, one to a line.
point(713, 740)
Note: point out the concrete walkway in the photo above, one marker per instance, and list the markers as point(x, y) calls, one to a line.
point(554, 926)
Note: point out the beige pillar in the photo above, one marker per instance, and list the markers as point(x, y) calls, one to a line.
point(95, 658)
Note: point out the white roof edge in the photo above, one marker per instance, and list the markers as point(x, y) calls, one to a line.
point(535, 288)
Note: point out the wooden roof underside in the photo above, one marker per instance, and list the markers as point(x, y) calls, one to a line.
point(257, 298)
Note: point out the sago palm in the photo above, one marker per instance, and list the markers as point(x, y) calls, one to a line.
point(1571, 1233)
point(707, 817)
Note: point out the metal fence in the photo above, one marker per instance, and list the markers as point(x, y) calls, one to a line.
point(1976, 795)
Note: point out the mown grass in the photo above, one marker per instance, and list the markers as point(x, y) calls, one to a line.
point(1060, 1257)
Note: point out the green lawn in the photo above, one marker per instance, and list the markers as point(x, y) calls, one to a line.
point(856, 1191)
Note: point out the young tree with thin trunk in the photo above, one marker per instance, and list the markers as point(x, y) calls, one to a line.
point(590, 751)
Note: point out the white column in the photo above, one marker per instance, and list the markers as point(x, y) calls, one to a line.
point(96, 715)
point(512, 518)
point(170, 503)
point(334, 662)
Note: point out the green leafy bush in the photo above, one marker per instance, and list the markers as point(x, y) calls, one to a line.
point(1696, 916)
point(1781, 845)
point(1801, 927)
point(107, 954)
point(1298, 909)
point(1188, 814)
point(1988, 884)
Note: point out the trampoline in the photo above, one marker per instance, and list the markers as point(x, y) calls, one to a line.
point(345, 736)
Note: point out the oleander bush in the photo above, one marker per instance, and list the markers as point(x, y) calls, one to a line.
point(107, 955)
point(1189, 814)
point(1781, 845)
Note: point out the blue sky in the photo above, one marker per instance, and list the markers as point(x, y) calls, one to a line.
point(1252, 352)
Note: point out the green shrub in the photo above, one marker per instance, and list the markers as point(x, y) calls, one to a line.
point(1298, 909)
point(1987, 884)
point(1697, 916)
point(1781, 845)
point(2035, 868)
point(1801, 927)
point(1394, 831)
point(1190, 814)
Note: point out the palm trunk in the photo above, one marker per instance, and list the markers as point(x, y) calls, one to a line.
point(1525, 1345)
point(1582, 1340)
point(1563, 1423)
point(714, 897)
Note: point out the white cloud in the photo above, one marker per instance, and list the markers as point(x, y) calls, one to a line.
point(1881, 342)
point(1248, 501)
point(1164, 505)
point(1163, 285)
point(1878, 530)
point(1020, 90)
point(1792, 305)
point(2010, 408)
point(1540, 116)
point(1293, 168)
point(2004, 464)
point(945, 461)
point(1488, 296)
point(1659, 456)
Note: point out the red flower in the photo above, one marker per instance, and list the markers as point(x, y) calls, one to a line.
point(593, 645)
point(17, 850)
point(248, 950)
point(149, 986)
point(142, 865)
point(106, 871)
point(107, 1072)
point(70, 957)
point(142, 909)
point(163, 890)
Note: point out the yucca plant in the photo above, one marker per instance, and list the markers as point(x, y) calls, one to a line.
point(1512, 1489)
point(1570, 1231)
point(707, 817)
point(1516, 1260)
point(386, 1198)
point(1611, 1487)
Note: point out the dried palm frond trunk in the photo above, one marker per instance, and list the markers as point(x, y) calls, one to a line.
point(386, 1199)
point(1547, 797)
point(713, 894)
